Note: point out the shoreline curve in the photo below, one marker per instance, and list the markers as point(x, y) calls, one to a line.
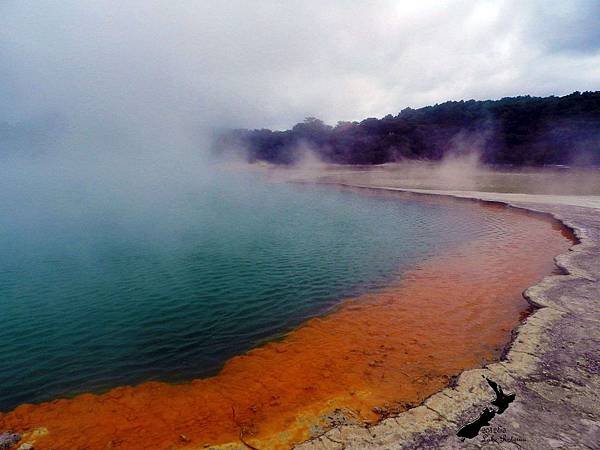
point(120, 392)
point(436, 422)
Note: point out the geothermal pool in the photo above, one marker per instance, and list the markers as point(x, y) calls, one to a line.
point(282, 302)
point(106, 298)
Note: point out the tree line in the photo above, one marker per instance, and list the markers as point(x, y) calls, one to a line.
point(522, 130)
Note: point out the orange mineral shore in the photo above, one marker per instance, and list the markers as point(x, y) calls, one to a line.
point(386, 350)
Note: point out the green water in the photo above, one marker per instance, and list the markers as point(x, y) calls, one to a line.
point(102, 289)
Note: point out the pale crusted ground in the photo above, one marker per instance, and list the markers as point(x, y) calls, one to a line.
point(553, 366)
point(587, 201)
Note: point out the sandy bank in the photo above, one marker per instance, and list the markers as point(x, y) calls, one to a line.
point(515, 199)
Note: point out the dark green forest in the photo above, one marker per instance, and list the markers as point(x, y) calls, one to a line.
point(517, 131)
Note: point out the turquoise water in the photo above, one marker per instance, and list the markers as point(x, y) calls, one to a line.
point(98, 290)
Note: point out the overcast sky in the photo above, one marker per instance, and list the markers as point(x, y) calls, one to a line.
point(137, 65)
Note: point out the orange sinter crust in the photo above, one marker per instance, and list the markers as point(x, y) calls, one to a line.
point(391, 348)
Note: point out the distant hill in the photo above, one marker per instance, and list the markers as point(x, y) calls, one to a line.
point(520, 131)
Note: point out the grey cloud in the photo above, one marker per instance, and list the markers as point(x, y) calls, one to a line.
point(567, 26)
point(150, 67)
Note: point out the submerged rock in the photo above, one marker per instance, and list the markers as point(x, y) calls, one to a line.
point(7, 440)
point(26, 447)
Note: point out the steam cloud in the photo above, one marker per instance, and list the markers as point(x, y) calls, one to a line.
point(120, 97)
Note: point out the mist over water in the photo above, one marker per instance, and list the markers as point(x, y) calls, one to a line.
point(98, 291)
point(126, 252)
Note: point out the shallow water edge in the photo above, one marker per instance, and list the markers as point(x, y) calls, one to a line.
point(258, 420)
point(563, 318)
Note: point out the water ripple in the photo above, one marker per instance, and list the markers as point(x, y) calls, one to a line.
point(96, 306)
